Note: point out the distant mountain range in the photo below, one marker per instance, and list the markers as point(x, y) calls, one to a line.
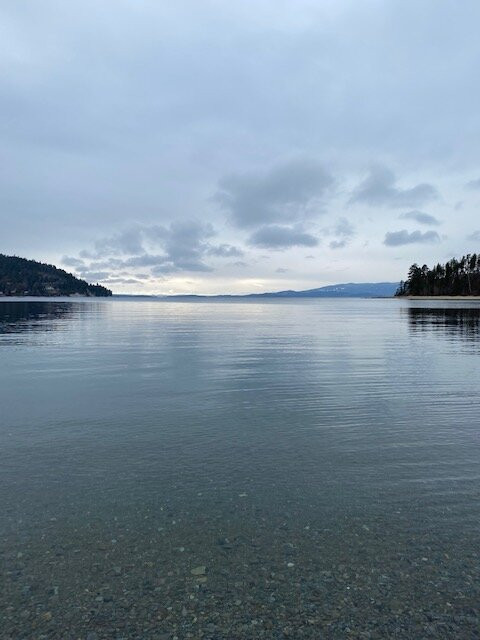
point(21, 277)
point(346, 290)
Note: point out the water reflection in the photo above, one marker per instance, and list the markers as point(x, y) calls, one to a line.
point(453, 322)
point(37, 316)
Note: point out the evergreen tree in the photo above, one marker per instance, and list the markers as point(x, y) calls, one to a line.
point(455, 278)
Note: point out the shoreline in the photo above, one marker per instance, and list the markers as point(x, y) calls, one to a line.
point(439, 297)
point(227, 298)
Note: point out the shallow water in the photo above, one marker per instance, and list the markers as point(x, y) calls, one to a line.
point(226, 470)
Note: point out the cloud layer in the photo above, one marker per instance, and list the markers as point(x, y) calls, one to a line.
point(213, 146)
point(182, 246)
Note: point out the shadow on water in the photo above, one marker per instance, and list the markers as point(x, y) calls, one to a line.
point(453, 323)
point(32, 317)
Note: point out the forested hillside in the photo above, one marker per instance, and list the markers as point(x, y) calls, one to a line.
point(21, 277)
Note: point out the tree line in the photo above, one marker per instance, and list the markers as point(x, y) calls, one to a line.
point(454, 278)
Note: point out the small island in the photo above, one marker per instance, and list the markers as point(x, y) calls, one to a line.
point(456, 278)
point(22, 277)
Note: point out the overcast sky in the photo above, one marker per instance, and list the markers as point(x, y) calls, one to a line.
point(239, 145)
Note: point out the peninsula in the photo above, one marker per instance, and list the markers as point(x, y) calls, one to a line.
point(22, 277)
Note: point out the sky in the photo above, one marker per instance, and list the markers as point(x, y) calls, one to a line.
point(239, 146)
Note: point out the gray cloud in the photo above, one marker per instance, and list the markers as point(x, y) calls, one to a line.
point(344, 231)
point(168, 266)
point(126, 242)
point(379, 189)
point(225, 251)
point(276, 236)
point(473, 184)
point(420, 216)
point(344, 228)
point(475, 236)
point(338, 244)
point(289, 191)
point(144, 260)
point(69, 261)
point(91, 276)
point(184, 246)
point(399, 238)
point(106, 264)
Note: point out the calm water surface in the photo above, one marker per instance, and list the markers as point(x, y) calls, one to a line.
point(284, 469)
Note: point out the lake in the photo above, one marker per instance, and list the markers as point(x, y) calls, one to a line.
point(228, 470)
